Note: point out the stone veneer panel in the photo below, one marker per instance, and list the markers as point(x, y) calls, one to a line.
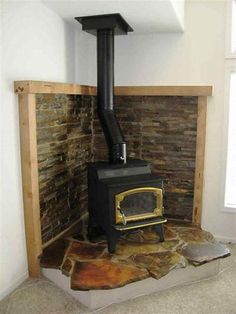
point(159, 129)
point(162, 130)
point(64, 138)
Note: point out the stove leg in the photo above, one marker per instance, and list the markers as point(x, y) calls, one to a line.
point(94, 230)
point(112, 238)
point(160, 230)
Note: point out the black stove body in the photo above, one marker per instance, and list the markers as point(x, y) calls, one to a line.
point(122, 194)
point(123, 197)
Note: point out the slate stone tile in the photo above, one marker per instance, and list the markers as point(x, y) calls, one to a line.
point(53, 255)
point(194, 235)
point(104, 274)
point(81, 251)
point(67, 267)
point(128, 248)
point(170, 234)
point(198, 254)
point(172, 245)
point(159, 264)
point(147, 235)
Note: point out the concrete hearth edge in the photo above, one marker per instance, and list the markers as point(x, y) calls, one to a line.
point(95, 299)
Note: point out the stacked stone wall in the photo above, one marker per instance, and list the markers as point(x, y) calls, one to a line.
point(161, 130)
point(64, 139)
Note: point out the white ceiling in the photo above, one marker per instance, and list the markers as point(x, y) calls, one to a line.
point(144, 16)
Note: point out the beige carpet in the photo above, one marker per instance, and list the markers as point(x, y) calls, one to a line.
point(216, 295)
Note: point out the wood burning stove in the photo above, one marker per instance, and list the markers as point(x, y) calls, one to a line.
point(124, 197)
point(122, 194)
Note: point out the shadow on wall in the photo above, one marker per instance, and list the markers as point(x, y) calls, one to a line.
point(69, 35)
point(77, 54)
point(152, 57)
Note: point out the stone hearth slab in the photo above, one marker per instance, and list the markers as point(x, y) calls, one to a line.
point(138, 255)
point(95, 299)
point(104, 274)
point(198, 254)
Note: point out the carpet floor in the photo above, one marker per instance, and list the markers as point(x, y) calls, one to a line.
point(215, 295)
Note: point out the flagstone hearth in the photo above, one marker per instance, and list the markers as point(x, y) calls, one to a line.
point(139, 255)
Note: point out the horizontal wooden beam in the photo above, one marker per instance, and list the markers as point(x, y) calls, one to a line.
point(38, 87)
point(164, 90)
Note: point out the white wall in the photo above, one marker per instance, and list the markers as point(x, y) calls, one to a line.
point(38, 45)
point(195, 57)
point(179, 7)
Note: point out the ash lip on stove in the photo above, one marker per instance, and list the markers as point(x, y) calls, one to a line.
point(122, 194)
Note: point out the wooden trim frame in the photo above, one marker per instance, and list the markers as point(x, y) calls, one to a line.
point(199, 162)
point(29, 164)
point(38, 87)
point(27, 91)
point(163, 90)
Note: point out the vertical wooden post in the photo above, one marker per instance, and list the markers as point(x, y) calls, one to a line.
point(29, 164)
point(199, 167)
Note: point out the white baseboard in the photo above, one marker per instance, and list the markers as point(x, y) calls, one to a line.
point(13, 285)
point(225, 239)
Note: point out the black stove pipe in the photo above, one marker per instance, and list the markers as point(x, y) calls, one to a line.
point(105, 26)
point(105, 96)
